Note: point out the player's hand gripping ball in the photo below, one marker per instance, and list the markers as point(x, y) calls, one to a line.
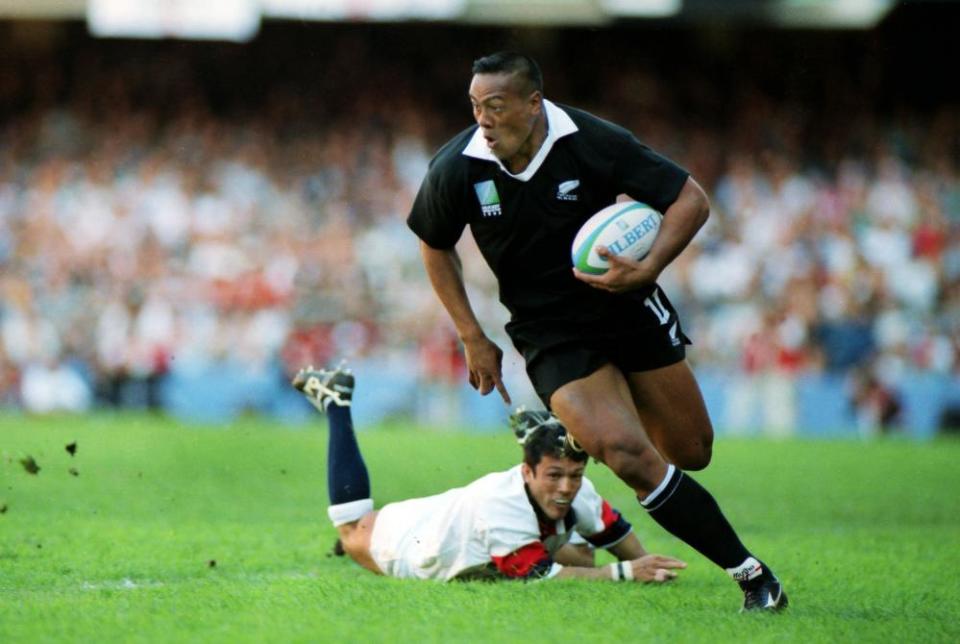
point(627, 229)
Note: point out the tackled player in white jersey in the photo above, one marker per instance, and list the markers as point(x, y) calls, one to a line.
point(539, 519)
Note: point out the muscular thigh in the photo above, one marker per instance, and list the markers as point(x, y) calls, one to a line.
point(597, 407)
point(671, 408)
point(599, 412)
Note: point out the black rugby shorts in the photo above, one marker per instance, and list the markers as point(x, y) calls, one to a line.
point(656, 340)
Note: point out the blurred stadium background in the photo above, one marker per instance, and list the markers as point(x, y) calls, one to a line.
point(196, 198)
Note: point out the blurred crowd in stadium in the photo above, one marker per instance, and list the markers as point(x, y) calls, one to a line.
point(176, 206)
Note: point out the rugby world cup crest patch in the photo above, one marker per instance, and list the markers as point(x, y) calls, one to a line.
point(489, 198)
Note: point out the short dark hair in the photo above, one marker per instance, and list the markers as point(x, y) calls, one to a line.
point(551, 440)
point(510, 62)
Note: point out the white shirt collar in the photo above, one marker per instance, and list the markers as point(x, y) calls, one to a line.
point(559, 124)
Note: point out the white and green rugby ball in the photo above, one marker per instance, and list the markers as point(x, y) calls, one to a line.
point(627, 229)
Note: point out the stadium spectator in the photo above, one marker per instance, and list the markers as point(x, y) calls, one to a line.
point(518, 524)
point(877, 405)
point(191, 174)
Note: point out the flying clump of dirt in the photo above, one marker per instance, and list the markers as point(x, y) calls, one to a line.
point(29, 464)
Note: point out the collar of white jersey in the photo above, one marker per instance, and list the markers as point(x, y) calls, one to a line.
point(559, 124)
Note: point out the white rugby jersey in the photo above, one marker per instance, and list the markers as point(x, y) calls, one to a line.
point(487, 528)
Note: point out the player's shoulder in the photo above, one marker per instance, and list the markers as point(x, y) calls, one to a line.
point(588, 489)
point(499, 483)
point(449, 158)
point(585, 482)
point(590, 125)
point(588, 500)
point(500, 492)
point(597, 142)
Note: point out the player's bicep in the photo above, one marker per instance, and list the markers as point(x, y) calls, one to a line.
point(436, 216)
point(614, 527)
point(597, 521)
point(647, 176)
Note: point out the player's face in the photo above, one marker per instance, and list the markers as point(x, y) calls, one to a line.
point(553, 484)
point(506, 114)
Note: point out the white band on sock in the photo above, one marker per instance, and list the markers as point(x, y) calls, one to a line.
point(749, 569)
point(352, 511)
point(663, 484)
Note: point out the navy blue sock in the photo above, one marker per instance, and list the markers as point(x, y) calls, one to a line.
point(347, 478)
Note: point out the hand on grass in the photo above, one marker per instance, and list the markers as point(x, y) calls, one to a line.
point(655, 568)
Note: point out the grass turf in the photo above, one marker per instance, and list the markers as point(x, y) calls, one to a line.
point(171, 533)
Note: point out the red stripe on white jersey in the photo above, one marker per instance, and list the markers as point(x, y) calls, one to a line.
point(523, 561)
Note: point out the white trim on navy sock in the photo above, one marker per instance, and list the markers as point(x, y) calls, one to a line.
point(348, 512)
point(650, 498)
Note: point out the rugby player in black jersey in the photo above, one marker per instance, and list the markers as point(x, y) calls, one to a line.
point(606, 353)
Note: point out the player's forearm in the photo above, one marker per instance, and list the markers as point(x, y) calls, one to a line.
point(446, 275)
point(680, 224)
point(648, 568)
point(620, 571)
point(603, 573)
point(629, 548)
point(575, 555)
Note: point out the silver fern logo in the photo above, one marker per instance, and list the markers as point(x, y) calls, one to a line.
point(565, 189)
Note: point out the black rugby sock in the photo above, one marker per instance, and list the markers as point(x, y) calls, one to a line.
point(687, 511)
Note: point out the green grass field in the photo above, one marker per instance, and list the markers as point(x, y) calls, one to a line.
point(171, 533)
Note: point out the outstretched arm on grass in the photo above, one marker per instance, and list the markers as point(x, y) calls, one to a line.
point(648, 568)
point(578, 562)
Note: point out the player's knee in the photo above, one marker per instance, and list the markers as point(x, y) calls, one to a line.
point(354, 545)
point(697, 456)
point(691, 446)
point(355, 538)
point(353, 550)
point(695, 460)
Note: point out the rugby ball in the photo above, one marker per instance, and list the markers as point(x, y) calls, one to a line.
point(627, 229)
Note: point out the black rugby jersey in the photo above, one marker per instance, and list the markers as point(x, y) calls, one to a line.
point(524, 224)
